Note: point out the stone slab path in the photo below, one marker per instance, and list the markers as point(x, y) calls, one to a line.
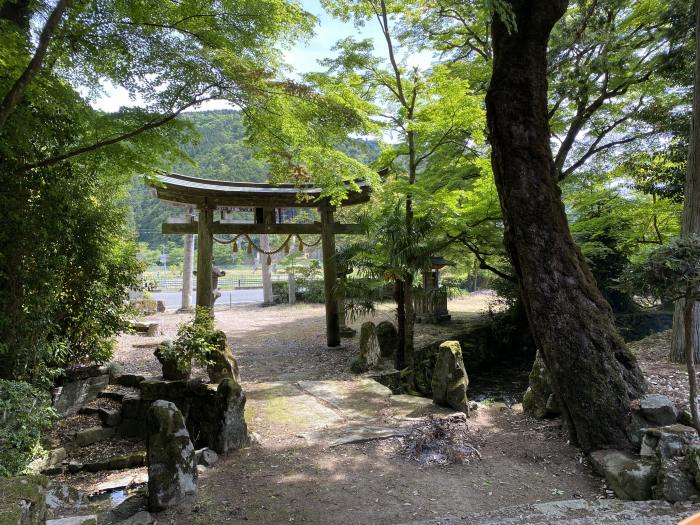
point(332, 413)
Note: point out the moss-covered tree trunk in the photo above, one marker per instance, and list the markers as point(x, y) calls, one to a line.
point(593, 374)
point(691, 343)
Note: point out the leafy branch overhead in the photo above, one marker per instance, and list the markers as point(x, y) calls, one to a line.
point(167, 56)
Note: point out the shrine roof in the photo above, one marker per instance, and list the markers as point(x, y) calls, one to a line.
point(183, 189)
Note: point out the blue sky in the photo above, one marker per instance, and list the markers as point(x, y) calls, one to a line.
point(302, 57)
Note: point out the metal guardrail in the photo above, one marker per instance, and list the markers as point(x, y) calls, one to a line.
point(224, 283)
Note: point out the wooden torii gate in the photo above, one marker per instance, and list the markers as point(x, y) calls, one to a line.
point(207, 195)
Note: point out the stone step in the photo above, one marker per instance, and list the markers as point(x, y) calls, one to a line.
point(126, 461)
point(576, 512)
point(117, 392)
point(129, 380)
point(149, 329)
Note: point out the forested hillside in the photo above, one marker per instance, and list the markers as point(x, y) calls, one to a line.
point(220, 153)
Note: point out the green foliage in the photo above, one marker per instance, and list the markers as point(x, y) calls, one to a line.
point(614, 224)
point(311, 290)
point(195, 341)
point(24, 413)
point(66, 266)
point(671, 271)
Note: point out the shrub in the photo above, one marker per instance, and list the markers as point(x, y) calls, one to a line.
point(195, 341)
point(281, 291)
point(24, 412)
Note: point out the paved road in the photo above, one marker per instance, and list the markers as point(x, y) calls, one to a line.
point(173, 299)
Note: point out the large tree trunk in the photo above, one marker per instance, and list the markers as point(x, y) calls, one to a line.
point(689, 357)
point(691, 207)
point(593, 374)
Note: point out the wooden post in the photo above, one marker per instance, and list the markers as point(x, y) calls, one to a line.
point(330, 275)
point(268, 299)
point(187, 268)
point(292, 288)
point(205, 241)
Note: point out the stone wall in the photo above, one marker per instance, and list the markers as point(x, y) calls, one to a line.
point(481, 346)
point(214, 413)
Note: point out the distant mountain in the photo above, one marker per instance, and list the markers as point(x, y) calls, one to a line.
point(221, 153)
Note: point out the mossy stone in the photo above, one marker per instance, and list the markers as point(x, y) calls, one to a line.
point(450, 380)
point(23, 500)
point(222, 363)
point(172, 469)
point(539, 401)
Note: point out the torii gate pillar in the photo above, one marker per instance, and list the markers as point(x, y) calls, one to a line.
point(205, 256)
point(330, 276)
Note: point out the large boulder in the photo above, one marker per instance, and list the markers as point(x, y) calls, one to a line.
point(630, 477)
point(369, 349)
point(172, 469)
point(388, 339)
point(222, 363)
point(658, 410)
point(450, 381)
point(539, 400)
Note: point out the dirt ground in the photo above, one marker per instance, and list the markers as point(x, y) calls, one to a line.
point(662, 377)
point(287, 478)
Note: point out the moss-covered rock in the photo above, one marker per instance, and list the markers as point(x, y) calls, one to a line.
point(479, 345)
point(630, 477)
point(23, 500)
point(693, 459)
point(670, 447)
point(73, 394)
point(172, 369)
point(450, 381)
point(369, 349)
point(539, 400)
point(231, 431)
point(153, 389)
point(222, 363)
point(172, 469)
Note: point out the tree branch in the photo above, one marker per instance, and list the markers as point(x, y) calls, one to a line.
point(108, 142)
point(17, 90)
point(484, 265)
